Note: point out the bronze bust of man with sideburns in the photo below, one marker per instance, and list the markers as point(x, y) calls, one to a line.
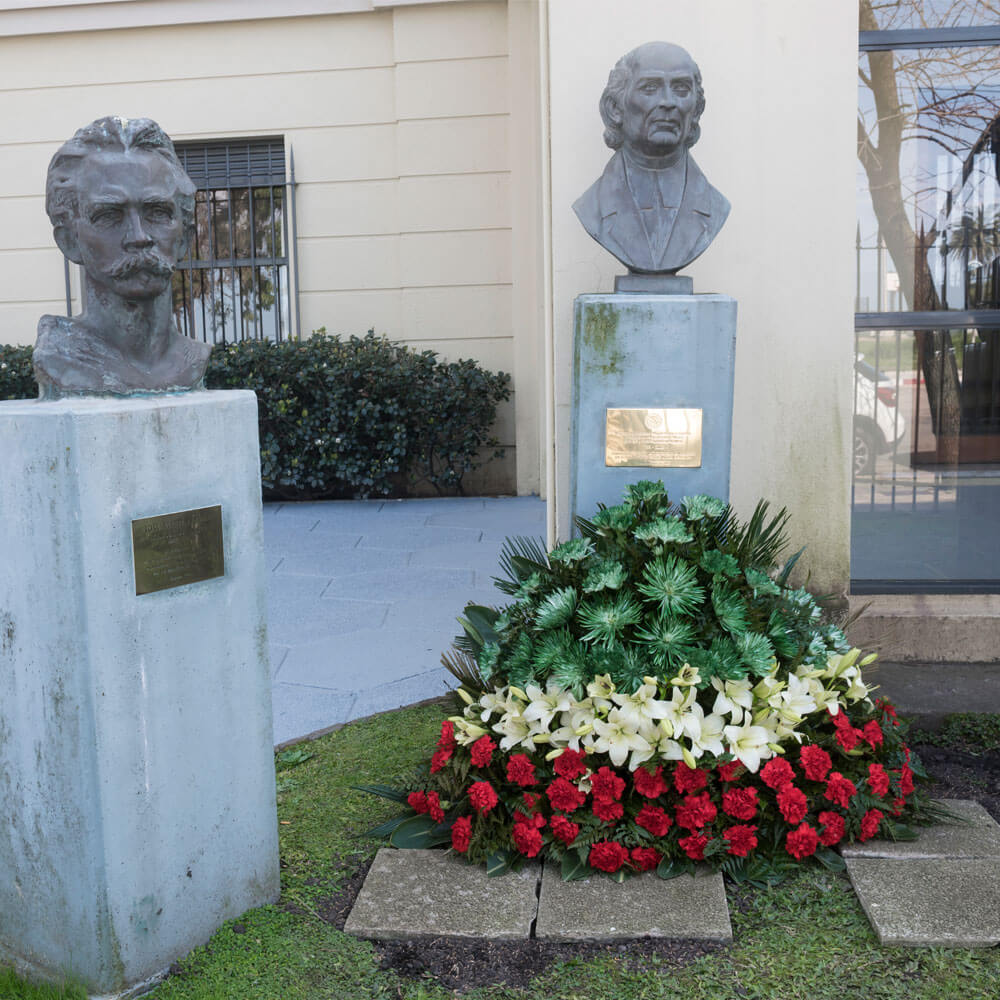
point(122, 207)
point(652, 207)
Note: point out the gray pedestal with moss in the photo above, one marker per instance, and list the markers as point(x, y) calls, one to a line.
point(652, 395)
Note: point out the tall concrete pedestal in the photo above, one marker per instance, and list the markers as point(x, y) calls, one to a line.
point(136, 769)
point(651, 352)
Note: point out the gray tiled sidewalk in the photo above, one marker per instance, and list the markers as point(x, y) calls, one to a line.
point(363, 596)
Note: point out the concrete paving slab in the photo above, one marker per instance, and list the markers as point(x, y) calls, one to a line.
point(319, 559)
point(946, 902)
point(299, 710)
point(413, 894)
point(687, 907)
point(405, 538)
point(401, 582)
point(462, 555)
point(438, 613)
point(366, 657)
point(277, 655)
point(405, 691)
point(497, 520)
point(977, 837)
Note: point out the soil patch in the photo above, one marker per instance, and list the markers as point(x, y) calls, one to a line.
point(461, 965)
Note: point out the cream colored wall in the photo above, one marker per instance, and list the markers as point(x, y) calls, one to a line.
point(778, 141)
point(398, 120)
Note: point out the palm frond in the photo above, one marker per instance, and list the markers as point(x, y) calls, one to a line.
point(760, 541)
point(464, 669)
point(520, 556)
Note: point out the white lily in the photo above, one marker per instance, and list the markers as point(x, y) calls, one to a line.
point(825, 698)
point(857, 690)
point(497, 702)
point(575, 724)
point(466, 732)
point(616, 738)
point(680, 700)
point(600, 689)
point(748, 743)
point(543, 705)
point(687, 676)
point(641, 707)
point(514, 731)
point(733, 697)
point(704, 731)
point(796, 701)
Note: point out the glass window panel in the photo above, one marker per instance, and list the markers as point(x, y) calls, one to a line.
point(926, 484)
point(928, 201)
point(895, 15)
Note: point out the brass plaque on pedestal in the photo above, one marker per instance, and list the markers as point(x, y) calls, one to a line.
point(171, 550)
point(653, 439)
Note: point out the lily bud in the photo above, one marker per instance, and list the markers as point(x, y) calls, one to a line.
point(518, 693)
point(777, 748)
point(465, 696)
point(541, 738)
point(553, 754)
point(688, 758)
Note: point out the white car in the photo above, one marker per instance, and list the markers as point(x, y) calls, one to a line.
point(878, 424)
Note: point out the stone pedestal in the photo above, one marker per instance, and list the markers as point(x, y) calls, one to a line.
point(637, 351)
point(136, 769)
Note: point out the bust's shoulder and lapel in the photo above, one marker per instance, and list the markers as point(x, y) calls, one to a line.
point(608, 213)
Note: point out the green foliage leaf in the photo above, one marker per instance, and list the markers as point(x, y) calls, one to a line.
point(388, 827)
point(672, 584)
point(670, 868)
point(556, 609)
point(418, 832)
point(574, 866)
point(500, 863)
point(383, 791)
point(830, 859)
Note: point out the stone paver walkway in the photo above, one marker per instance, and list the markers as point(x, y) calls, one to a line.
point(941, 889)
point(363, 597)
point(417, 894)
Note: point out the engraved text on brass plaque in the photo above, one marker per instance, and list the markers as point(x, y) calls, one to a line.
point(172, 550)
point(654, 439)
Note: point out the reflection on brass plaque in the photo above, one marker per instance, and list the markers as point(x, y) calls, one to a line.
point(653, 439)
point(172, 550)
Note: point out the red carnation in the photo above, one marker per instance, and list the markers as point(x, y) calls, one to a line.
point(906, 780)
point(570, 763)
point(527, 839)
point(648, 785)
point(815, 762)
point(869, 824)
point(417, 802)
point(792, 803)
point(434, 807)
point(872, 733)
point(729, 770)
point(840, 718)
point(607, 855)
point(439, 759)
point(461, 833)
point(887, 710)
point(565, 795)
point(447, 740)
point(897, 806)
point(530, 799)
point(608, 810)
point(655, 820)
point(605, 784)
point(831, 828)
point(848, 737)
point(689, 779)
point(878, 780)
point(695, 811)
point(740, 803)
point(520, 770)
point(694, 846)
point(777, 772)
point(482, 796)
point(564, 829)
point(482, 751)
point(644, 859)
point(740, 840)
point(802, 843)
point(524, 819)
point(839, 790)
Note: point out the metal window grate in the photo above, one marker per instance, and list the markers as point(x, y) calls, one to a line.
point(237, 283)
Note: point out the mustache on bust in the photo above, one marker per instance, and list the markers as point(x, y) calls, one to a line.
point(149, 261)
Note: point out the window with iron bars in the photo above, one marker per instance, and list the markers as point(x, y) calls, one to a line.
point(237, 283)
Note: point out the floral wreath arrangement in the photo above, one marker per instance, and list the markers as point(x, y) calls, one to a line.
point(656, 694)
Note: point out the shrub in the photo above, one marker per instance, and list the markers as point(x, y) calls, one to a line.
point(17, 379)
point(361, 416)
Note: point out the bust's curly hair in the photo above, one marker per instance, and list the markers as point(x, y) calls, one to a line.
point(110, 134)
point(614, 95)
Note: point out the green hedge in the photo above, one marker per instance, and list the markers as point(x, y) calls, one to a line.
point(17, 379)
point(346, 418)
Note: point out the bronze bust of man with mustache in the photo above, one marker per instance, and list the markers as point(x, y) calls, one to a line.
point(652, 207)
point(121, 206)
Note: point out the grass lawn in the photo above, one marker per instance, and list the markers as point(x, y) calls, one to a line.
point(807, 939)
